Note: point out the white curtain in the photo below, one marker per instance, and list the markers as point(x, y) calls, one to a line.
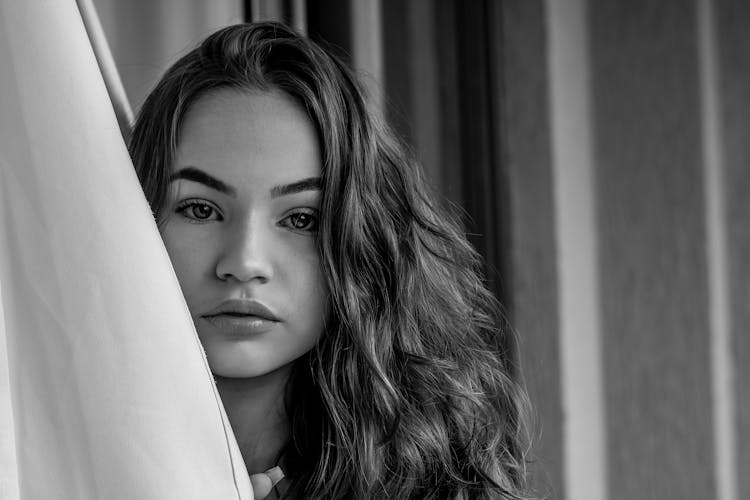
point(105, 392)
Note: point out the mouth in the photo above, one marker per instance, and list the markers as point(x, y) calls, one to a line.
point(242, 317)
point(240, 325)
point(241, 308)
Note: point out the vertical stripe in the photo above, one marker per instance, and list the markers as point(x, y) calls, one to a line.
point(651, 240)
point(532, 253)
point(299, 15)
point(725, 462)
point(255, 10)
point(367, 47)
point(584, 437)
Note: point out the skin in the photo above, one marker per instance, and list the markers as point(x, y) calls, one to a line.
point(243, 239)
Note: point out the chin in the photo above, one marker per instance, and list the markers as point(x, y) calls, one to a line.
point(232, 370)
point(237, 365)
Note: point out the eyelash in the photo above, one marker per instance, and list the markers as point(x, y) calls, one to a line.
point(186, 205)
point(312, 215)
point(183, 207)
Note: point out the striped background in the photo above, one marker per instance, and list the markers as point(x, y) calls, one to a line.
point(617, 136)
point(646, 164)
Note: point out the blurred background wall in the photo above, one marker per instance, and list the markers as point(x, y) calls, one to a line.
point(599, 151)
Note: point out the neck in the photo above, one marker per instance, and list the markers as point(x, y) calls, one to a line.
point(255, 407)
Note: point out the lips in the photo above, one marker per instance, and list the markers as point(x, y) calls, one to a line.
point(239, 307)
point(242, 318)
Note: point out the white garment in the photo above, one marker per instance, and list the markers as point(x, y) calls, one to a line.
point(105, 392)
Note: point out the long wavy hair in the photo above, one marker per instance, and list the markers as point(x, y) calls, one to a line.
point(409, 392)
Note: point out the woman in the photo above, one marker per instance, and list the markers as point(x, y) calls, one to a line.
point(340, 307)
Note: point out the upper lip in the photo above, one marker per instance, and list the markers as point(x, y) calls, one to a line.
point(245, 307)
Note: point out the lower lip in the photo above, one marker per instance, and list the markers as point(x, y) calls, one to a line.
point(241, 326)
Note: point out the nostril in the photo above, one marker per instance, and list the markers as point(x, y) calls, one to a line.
point(245, 255)
point(228, 269)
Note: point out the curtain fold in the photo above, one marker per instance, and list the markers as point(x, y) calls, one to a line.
point(104, 389)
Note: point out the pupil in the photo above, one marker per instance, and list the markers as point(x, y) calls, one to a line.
point(201, 211)
point(299, 221)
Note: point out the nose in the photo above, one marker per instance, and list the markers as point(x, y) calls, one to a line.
point(246, 255)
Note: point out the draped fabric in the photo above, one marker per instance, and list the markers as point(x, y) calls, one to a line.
point(105, 392)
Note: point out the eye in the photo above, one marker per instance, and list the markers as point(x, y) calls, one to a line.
point(301, 221)
point(198, 211)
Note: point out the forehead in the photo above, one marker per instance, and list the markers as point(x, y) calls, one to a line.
point(249, 137)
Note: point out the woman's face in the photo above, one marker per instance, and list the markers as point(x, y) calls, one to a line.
point(240, 228)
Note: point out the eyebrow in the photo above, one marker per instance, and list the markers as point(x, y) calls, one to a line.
point(308, 184)
point(196, 175)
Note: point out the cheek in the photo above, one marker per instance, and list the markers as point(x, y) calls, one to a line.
point(310, 293)
point(188, 258)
